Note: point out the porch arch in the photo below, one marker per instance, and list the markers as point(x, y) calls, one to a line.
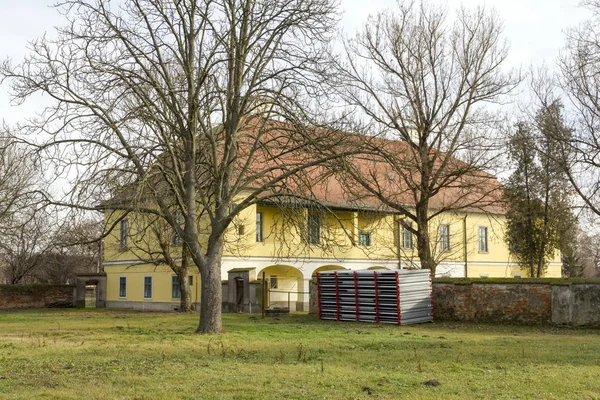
point(328, 268)
point(286, 286)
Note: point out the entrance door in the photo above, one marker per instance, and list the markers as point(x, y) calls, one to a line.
point(239, 295)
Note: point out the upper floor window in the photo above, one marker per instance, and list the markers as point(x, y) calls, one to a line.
point(241, 229)
point(259, 226)
point(314, 228)
point(407, 237)
point(123, 233)
point(444, 237)
point(176, 238)
point(483, 239)
point(364, 238)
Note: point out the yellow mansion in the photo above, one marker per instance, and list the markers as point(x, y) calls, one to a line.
point(468, 243)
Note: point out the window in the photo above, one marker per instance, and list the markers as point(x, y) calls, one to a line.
point(314, 228)
point(175, 288)
point(445, 237)
point(407, 237)
point(191, 280)
point(241, 229)
point(273, 281)
point(259, 226)
point(147, 287)
point(122, 286)
point(483, 239)
point(123, 232)
point(364, 238)
point(176, 239)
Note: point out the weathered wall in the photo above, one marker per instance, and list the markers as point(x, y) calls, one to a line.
point(521, 303)
point(560, 302)
point(313, 299)
point(36, 296)
point(576, 305)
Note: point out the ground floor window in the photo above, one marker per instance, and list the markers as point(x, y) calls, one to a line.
point(175, 288)
point(274, 283)
point(122, 286)
point(147, 287)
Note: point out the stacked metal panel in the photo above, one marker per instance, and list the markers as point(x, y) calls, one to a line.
point(397, 297)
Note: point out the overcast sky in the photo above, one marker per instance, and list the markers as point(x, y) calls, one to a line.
point(534, 28)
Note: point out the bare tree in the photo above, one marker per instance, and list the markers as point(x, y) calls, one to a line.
point(580, 80)
point(22, 227)
point(22, 247)
point(17, 181)
point(155, 242)
point(75, 247)
point(194, 106)
point(415, 77)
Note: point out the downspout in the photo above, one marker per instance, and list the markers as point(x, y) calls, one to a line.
point(465, 245)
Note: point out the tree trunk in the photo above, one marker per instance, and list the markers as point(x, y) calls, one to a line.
point(211, 292)
point(185, 303)
point(540, 265)
point(423, 241)
point(530, 220)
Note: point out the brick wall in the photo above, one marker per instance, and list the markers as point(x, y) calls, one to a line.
point(36, 296)
point(523, 303)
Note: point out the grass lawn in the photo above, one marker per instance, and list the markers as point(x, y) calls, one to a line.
point(104, 354)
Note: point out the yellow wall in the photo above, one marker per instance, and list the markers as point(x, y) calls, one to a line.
point(284, 236)
point(161, 283)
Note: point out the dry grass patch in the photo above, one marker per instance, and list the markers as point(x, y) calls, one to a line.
point(102, 354)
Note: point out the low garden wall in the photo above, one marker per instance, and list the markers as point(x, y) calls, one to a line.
point(573, 302)
point(36, 296)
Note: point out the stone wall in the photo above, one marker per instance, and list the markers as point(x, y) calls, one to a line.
point(36, 296)
point(522, 303)
point(526, 301)
point(576, 305)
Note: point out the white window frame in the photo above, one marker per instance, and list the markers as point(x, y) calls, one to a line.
point(314, 228)
point(486, 242)
point(176, 240)
point(151, 287)
point(444, 237)
point(125, 278)
point(259, 227)
point(367, 236)
point(123, 234)
point(407, 236)
point(273, 282)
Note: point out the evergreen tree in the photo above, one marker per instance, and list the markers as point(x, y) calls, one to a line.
point(539, 218)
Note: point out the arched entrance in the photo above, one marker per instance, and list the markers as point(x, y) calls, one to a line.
point(285, 286)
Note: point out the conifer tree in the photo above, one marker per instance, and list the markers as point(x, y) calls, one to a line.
point(537, 193)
